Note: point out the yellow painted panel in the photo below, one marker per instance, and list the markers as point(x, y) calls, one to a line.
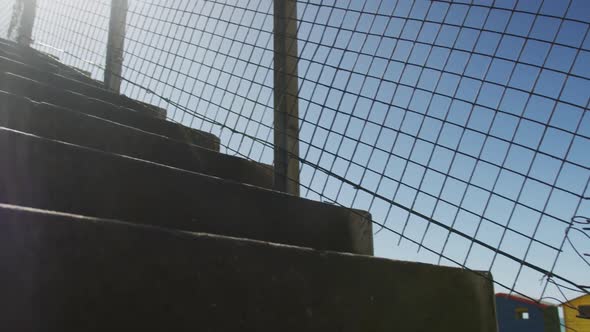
point(570, 315)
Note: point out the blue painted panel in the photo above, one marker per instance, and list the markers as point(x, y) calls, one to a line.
point(507, 316)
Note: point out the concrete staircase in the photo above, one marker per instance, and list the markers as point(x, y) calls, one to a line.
point(112, 217)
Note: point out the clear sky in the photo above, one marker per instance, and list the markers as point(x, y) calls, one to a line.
point(475, 116)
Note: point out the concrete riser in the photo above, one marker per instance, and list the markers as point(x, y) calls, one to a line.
point(44, 93)
point(66, 274)
point(78, 128)
point(43, 63)
point(89, 90)
point(51, 175)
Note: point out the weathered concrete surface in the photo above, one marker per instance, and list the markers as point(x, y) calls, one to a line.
point(158, 112)
point(22, 21)
point(47, 72)
point(36, 91)
point(64, 273)
point(65, 125)
point(89, 90)
point(52, 175)
point(42, 61)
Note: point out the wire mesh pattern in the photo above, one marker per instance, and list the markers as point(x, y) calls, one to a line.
point(462, 126)
point(6, 14)
point(75, 32)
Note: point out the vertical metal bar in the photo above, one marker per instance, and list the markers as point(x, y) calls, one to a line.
point(116, 45)
point(22, 22)
point(286, 92)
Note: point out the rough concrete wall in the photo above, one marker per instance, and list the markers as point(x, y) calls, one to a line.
point(22, 20)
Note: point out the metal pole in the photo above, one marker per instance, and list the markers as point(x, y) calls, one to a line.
point(22, 22)
point(286, 92)
point(116, 45)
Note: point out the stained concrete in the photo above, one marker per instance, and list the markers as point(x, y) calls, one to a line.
point(43, 62)
point(65, 273)
point(89, 90)
point(65, 125)
point(46, 174)
point(36, 91)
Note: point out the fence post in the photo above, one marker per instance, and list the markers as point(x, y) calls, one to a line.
point(116, 45)
point(22, 22)
point(286, 103)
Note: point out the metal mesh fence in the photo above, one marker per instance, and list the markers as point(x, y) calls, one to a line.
point(75, 32)
point(462, 126)
point(6, 10)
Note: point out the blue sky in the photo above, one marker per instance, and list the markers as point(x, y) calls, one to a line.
point(475, 117)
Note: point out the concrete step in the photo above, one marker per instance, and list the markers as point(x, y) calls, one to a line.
point(90, 90)
point(22, 86)
point(31, 63)
point(42, 61)
point(52, 175)
point(69, 126)
point(41, 65)
point(70, 273)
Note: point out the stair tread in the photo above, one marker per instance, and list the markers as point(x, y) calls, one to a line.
point(40, 92)
point(53, 175)
point(69, 126)
point(66, 83)
point(42, 61)
point(95, 273)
